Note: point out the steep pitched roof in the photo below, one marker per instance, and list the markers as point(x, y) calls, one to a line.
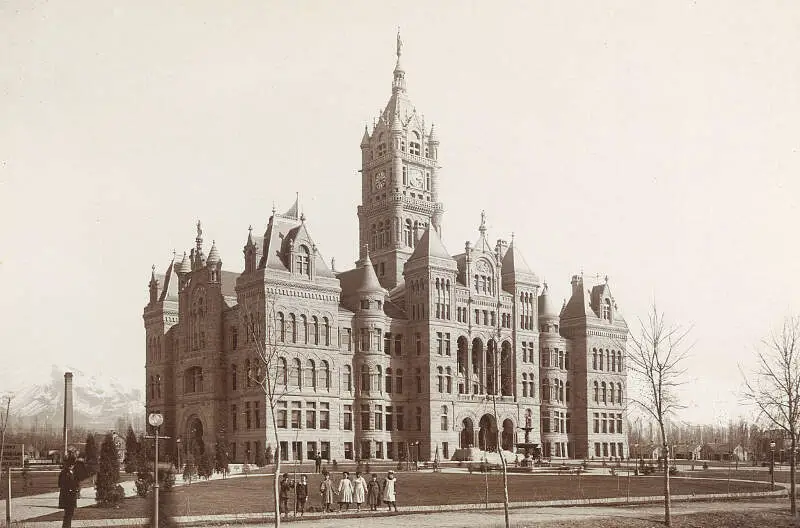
point(368, 281)
point(430, 246)
point(579, 304)
point(546, 306)
point(169, 284)
point(515, 266)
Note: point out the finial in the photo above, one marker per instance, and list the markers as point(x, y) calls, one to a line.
point(174, 254)
point(606, 279)
point(273, 207)
point(482, 227)
point(250, 228)
point(303, 217)
point(512, 237)
point(199, 230)
point(399, 43)
point(154, 268)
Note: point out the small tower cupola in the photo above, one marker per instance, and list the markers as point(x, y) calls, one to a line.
point(153, 285)
point(250, 252)
point(399, 83)
point(370, 292)
point(214, 262)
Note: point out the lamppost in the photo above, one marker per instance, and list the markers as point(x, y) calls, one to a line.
point(772, 465)
point(155, 419)
point(637, 458)
point(178, 444)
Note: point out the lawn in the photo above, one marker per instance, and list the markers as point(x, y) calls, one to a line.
point(253, 494)
point(717, 519)
point(34, 483)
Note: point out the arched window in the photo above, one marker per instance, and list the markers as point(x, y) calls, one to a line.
point(445, 424)
point(613, 361)
point(295, 373)
point(398, 385)
point(282, 371)
point(315, 327)
point(607, 309)
point(601, 359)
point(408, 238)
point(379, 378)
point(347, 378)
point(619, 361)
point(524, 385)
point(193, 380)
point(567, 393)
point(619, 393)
point(247, 374)
point(158, 386)
point(594, 359)
point(389, 384)
point(292, 328)
point(440, 379)
point(449, 379)
point(281, 327)
point(611, 393)
point(325, 375)
point(596, 392)
point(234, 381)
point(311, 375)
point(603, 390)
point(304, 328)
point(302, 262)
point(365, 384)
point(326, 331)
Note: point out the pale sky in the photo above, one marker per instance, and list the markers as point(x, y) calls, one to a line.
point(653, 142)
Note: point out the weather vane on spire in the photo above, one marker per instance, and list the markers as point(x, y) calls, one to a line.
point(399, 43)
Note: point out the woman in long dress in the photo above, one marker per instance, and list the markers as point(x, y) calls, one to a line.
point(326, 490)
point(345, 491)
point(359, 489)
point(390, 491)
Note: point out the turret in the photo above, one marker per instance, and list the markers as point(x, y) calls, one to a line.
point(153, 285)
point(249, 252)
point(214, 263)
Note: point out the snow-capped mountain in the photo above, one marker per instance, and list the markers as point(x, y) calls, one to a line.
point(99, 402)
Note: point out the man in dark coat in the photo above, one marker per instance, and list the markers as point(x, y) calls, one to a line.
point(69, 485)
point(285, 486)
point(318, 463)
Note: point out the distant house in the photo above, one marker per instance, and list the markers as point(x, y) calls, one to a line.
point(723, 452)
point(687, 451)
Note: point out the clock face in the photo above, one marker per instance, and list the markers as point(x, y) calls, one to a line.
point(380, 180)
point(415, 178)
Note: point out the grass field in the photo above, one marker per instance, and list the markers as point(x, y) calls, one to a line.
point(253, 494)
point(773, 519)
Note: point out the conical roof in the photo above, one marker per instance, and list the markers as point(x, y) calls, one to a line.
point(546, 306)
point(514, 261)
point(213, 255)
point(184, 266)
point(365, 138)
point(369, 280)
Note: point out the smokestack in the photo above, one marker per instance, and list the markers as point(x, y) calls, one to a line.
point(67, 408)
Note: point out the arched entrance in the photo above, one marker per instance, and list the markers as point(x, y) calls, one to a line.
point(508, 435)
point(194, 437)
point(487, 435)
point(467, 433)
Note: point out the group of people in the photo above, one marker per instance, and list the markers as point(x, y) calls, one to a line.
point(357, 491)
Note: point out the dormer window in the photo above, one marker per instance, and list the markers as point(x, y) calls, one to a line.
point(365, 304)
point(302, 262)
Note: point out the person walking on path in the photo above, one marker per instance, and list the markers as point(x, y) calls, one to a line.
point(300, 496)
point(326, 490)
point(373, 493)
point(318, 463)
point(359, 490)
point(390, 491)
point(345, 492)
point(285, 487)
point(69, 486)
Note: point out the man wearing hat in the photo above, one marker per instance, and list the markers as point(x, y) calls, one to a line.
point(390, 490)
point(285, 488)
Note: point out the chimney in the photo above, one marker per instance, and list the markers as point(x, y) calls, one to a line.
point(67, 408)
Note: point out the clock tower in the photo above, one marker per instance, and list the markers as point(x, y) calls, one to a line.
point(399, 183)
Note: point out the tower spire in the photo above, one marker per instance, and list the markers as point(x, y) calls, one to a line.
point(399, 83)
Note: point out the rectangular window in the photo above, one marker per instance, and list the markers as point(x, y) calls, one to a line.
point(399, 414)
point(348, 450)
point(324, 415)
point(596, 422)
point(486, 317)
point(347, 421)
point(257, 414)
point(390, 450)
point(281, 419)
point(611, 425)
point(234, 338)
point(568, 424)
point(619, 424)
point(446, 450)
point(378, 449)
point(605, 449)
point(234, 416)
point(348, 339)
point(619, 450)
point(613, 449)
point(379, 417)
point(311, 415)
point(447, 343)
point(398, 344)
point(365, 339)
point(325, 450)
point(419, 343)
point(597, 449)
point(389, 418)
point(545, 422)
point(311, 450)
point(387, 343)
point(297, 450)
point(477, 316)
point(378, 338)
point(296, 415)
point(365, 449)
point(545, 358)
point(603, 423)
point(439, 343)
point(284, 448)
point(365, 426)
point(494, 318)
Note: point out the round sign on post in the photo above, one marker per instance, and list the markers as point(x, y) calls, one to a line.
point(155, 419)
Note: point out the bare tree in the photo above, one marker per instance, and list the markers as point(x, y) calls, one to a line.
point(655, 356)
point(774, 387)
point(503, 463)
point(270, 373)
point(3, 428)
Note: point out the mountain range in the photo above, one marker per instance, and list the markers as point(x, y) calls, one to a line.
point(100, 403)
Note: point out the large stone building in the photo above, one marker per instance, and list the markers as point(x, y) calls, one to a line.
point(407, 353)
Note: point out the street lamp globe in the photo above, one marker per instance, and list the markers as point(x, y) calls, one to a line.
point(772, 445)
point(155, 419)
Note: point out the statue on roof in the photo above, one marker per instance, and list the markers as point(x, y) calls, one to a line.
point(399, 44)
